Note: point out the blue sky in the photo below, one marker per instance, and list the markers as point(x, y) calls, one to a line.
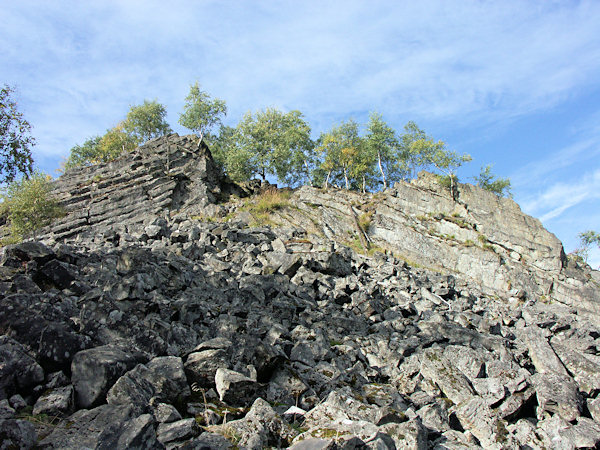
point(513, 83)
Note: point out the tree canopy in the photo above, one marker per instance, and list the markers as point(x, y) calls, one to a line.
point(201, 113)
point(142, 122)
point(271, 142)
point(15, 139)
point(146, 121)
point(29, 205)
point(488, 181)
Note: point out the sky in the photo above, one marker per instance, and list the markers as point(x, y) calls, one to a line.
point(513, 83)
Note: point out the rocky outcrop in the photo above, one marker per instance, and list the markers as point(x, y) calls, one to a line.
point(477, 236)
point(165, 175)
point(167, 330)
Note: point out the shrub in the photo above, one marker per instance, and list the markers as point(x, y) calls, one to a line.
point(28, 205)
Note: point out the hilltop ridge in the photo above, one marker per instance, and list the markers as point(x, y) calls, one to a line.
point(170, 308)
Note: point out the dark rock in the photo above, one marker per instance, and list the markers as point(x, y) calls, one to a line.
point(57, 402)
point(18, 370)
point(95, 370)
point(137, 433)
point(18, 254)
point(177, 431)
point(18, 434)
point(55, 274)
point(162, 377)
point(84, 428)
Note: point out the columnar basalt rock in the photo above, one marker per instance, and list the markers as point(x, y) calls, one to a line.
point(164, 330)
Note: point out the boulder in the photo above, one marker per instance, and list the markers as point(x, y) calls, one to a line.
point(95, 370)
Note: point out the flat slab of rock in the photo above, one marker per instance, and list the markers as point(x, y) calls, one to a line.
point(585, 372)
point(541, 353)
point(235, 388)
point(83, 428)
point(57, 402)
point(177, 431)
point(436, 367)
point(95, 370)
point(557, 394)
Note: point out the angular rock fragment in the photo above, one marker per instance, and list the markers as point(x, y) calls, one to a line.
point(234, 388)
point(94, 371)
point(162, 377)
point(584, 371)
point(557, 394)
point(137, 433)
point(452, 382)
point(57, 402)
point(18, 434)
point(17, 368)
point(177, 431)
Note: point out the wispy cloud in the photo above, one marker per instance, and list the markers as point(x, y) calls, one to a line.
point(560, 196)
point(450, 60)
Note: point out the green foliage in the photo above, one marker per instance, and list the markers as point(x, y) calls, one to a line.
point(15, 139)
point(29, 205)
point(488, 181)
point(382, 146)
point(410, 150)
point(270, 142)
point(84, 154)
point(115, 142)
point(146, 121)
point(201, 112)
point(143, 122)
point(340, 151)
point(586, 240)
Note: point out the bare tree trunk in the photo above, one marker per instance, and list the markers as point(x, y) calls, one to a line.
point(327, 179)
point(381, 170)
point(346, 179)
point(308, 173)
point(364, 184)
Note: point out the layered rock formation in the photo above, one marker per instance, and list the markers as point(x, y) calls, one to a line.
point(170, 330)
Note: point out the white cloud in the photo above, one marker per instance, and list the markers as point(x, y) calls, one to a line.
point(83, 63)
point(560, 196)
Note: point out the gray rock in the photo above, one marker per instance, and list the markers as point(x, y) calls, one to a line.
point(15, 255)
point(84, 428)
point(177, 431)
point(408, 435)
point(57, 402)
point(6, 411)
point(17, 434)
point(557, 394)
point(234, 388)
point(95, 370)
point(584, 371)
point(476, 417)
point(18, 370)
point(541, 353)
point(314, 444)
point(164, 413)
point(137, 433)
point(201, 367)
point(594, 408)
point(17, 402)
point(435, 367)
point(212, 441)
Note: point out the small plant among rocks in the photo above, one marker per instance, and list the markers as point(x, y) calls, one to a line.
point(28, 205)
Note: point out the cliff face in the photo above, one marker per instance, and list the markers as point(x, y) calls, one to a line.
point(165, 175)
point(144, 314)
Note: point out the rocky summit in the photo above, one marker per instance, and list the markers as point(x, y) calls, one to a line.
point(170, 308)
